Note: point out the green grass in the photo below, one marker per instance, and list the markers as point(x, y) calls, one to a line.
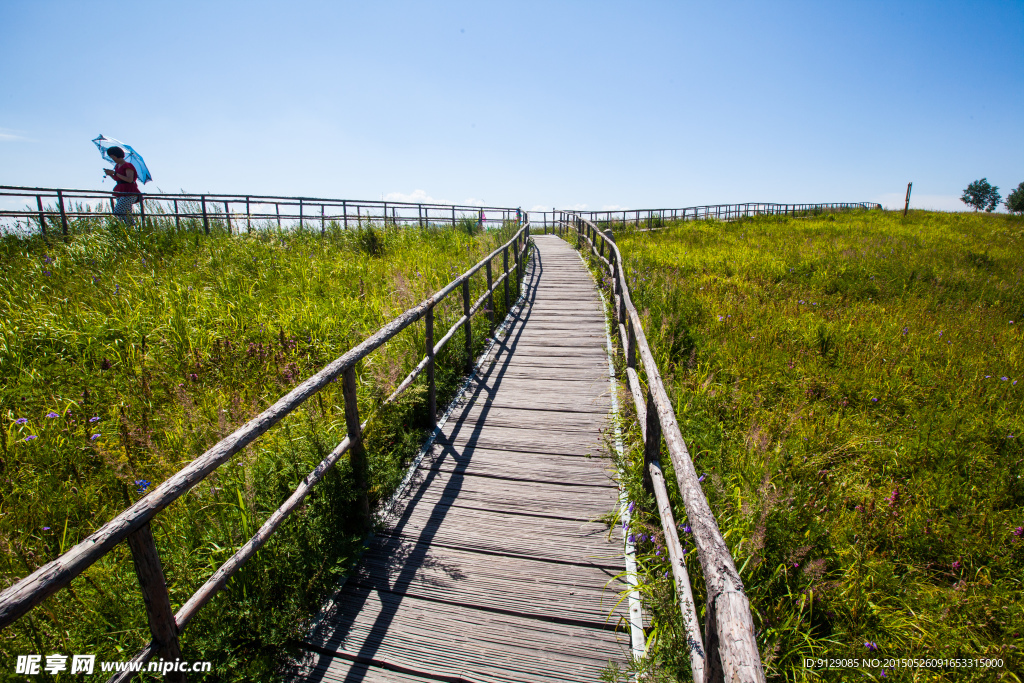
point(162, 343)
point(852, 386)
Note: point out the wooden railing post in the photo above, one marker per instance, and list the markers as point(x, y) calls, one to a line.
point(469, 328)
point(177, 217)
point(652, 443)
point(227, 215)
point(142, 211)
point(432, 386)
point(357, 453)
point(206, 219)
point(63, 215)
point(277, 211)
point(154, 594)
point(490, 298)
point(42, 216)
point(323, 223)
point(248, 216)
point(504, 258)
point(300, 213)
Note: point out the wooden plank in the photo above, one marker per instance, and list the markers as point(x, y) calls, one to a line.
point(553, 592)
point(458, 641)
point(514, 496)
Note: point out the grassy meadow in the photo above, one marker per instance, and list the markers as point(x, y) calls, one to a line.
point(126, 353)
point(851, 385)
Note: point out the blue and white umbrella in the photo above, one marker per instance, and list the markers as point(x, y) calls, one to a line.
point(130, 155)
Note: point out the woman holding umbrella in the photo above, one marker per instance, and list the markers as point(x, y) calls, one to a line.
point(126, 192)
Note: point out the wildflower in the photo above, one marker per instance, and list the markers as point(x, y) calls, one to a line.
point(1013, 383)
point(719, 318)
point(143, 484)
point(631, 507)
point(884, 675)
point(1019, 531)
point(1004, 378)
point(801, 301)
point(46, 528)
point(52, 415)
point(193, 376)
point(95, 418)
point(874, 400)
point(21, 421)
point(796, 565)
point(687, 529)
point(47, 273)
point(702, 477)
point(957, 565)
point(905, 330)
point(631, 538)
point(31, 437)
point(894, 497)
point(94, 437)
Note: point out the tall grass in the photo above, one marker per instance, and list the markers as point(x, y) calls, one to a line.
point(851, 386)
point(126, 352)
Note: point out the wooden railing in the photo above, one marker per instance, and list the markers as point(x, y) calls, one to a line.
point(728, 649)
point(723, 212)
point(133, 524)
point(53, 207)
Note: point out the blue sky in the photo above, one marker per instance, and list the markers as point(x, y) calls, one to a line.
point(539, 104)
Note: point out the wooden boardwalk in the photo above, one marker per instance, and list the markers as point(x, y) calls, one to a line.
point(495, 566)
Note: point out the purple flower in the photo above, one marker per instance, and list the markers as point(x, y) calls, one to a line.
point(871, 646)
point(631, 538)
point(702, 477)
point(31, 437)
point(52, 415)
point(796, 565)
point(1019, 531)
point(905, 330)
point(884, 675)
point(957, 565)
point(143, 484)
point(94, 437)
point(94, 419)
point(47, 273)
point(874, 400)
point(631, 507)
point(46, 528)
point(21, 421)
point(687, 529)
point(1004, 378)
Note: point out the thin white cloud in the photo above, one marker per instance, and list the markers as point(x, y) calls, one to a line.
point(614, 207)
point(416, 197)
point(538, 207)
point(8, 135)
point(474, 202)
point(577, 207)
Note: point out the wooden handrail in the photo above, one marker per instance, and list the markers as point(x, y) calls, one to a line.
point(219, 207)
point(19, 598)
point(729, 648)
point(719, 211)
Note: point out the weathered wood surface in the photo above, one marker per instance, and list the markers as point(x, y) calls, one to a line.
point(496, 564)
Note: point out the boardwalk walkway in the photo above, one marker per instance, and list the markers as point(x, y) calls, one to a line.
point(495, 567)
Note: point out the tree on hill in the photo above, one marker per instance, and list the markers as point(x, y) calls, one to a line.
point(981, 195)
point(1015, 200)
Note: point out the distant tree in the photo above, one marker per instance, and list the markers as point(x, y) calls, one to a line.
point(1015, 200)
point(981, 195)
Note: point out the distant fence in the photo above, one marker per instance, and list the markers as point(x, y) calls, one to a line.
point(50, 209)
point(723, 212)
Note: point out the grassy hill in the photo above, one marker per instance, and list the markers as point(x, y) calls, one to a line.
point(124, 354)
point(852, 386)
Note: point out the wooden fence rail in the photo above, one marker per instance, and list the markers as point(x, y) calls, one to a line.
point(133, 523)
point(728, 649)
point(234, 210)
point(639, 217)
